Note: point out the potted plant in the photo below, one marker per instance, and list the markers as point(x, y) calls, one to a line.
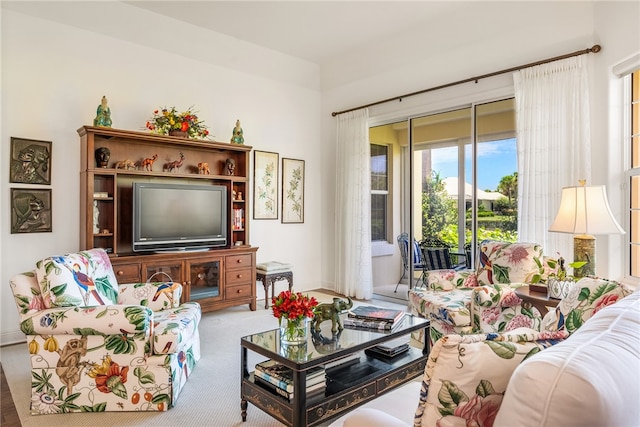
point(560, 284)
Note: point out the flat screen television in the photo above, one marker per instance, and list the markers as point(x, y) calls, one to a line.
point(178, 217)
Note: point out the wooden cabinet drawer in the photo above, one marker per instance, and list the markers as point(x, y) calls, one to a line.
point(238, 277)
point(241, 291)
point(238, 261)
point(127, 273)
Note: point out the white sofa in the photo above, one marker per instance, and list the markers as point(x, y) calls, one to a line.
point(592, 378)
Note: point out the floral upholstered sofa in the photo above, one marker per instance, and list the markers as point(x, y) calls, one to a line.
point(582, 369)
point(483, 299)
point(98, 346)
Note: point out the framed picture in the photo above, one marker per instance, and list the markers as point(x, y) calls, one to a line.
point(30, 161)
point(265, 185)
point(292, 191)
point(30, 210)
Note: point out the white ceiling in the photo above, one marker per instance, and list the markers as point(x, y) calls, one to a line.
point(312, 30)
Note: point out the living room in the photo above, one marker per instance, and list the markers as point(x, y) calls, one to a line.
point(55, 73)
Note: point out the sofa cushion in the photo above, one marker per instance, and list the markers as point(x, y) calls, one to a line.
point(78, 279)
point(591, 379)
point(466, 375)
point(503, 262)
point(586, 298)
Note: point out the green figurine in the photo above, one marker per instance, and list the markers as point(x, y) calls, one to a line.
point(237, 137)
point(103, 115)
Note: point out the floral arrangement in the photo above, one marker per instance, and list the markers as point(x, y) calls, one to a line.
point(294, 307)
point(165, 120)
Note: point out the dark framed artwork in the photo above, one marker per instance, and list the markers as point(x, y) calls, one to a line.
point(265, 185)
point(30, 210)
point(30, 161)
point(292, 191)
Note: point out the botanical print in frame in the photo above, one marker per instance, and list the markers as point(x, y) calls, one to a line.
point(30, 161)
point(30, 210)
point(265, 185)
point(292, 191)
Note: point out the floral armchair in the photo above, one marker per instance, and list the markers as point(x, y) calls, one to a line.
point(482, 300)
point(98, 346)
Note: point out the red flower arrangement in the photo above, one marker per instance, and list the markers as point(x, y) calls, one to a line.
point(294, 307)
point(169, 119)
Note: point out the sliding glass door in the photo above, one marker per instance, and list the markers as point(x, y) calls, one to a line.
point(465, 175)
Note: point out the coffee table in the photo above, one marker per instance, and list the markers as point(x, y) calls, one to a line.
point(348, 385)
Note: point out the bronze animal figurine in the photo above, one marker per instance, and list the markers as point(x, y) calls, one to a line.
point(330, 311)
point(324, 345)
point(203, 168)
point(176, 164)
point(147, 164)
point(124, 164)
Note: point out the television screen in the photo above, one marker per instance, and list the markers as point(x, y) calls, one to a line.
point(178, 216)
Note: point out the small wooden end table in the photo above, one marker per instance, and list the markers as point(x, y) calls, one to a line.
point(269, 279)
point(539, 300)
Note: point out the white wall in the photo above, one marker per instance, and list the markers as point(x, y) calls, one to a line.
point(486, 37)
point(53, 77)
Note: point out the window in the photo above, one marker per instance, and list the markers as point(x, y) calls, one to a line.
point(379, 192)
point(634, 177)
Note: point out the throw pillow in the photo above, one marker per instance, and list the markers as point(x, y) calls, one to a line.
point(77, 279)
point(503, 262)
point(588, 296)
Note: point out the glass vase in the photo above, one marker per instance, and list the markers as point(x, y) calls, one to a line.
point(293, 331)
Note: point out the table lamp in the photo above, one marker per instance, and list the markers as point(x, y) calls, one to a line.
point(584, 211)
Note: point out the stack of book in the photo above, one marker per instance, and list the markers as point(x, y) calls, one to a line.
point(279, 379)
point(389, 349)
point(371, 317)
point(273, 267)
point(343, 362)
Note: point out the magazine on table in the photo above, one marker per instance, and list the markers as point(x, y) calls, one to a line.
point(370, 312)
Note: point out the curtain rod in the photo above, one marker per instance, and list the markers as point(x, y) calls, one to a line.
point(595, 49)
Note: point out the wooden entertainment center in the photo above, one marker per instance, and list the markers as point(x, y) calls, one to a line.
point(217, 278)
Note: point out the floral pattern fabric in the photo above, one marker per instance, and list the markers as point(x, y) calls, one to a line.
point(77, 280)
point(131, 356)
point(482, 300)
point(588, 296)
point(466, 376)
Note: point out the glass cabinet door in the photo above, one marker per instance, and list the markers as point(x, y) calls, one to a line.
point(163, 272)
point(204, 279)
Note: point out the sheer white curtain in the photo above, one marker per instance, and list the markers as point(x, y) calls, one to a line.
point(353, 206)
point(554, 146)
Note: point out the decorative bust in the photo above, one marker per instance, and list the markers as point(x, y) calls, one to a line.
point(102, 156)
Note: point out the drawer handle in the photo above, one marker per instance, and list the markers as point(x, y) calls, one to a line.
point(239, 291)
point(239, 261)
point(120, 273)
point(239, 276)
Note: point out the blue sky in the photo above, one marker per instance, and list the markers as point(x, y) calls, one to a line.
point(496, 160)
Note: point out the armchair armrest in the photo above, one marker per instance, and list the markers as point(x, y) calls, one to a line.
point(157, 296)
point(98, 320)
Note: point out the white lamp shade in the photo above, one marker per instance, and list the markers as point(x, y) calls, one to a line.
point(585, 210)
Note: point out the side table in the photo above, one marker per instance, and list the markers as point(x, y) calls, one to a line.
point(539, 300)
point(268, 279)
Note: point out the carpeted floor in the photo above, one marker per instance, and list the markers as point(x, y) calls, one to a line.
point(211, 397)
